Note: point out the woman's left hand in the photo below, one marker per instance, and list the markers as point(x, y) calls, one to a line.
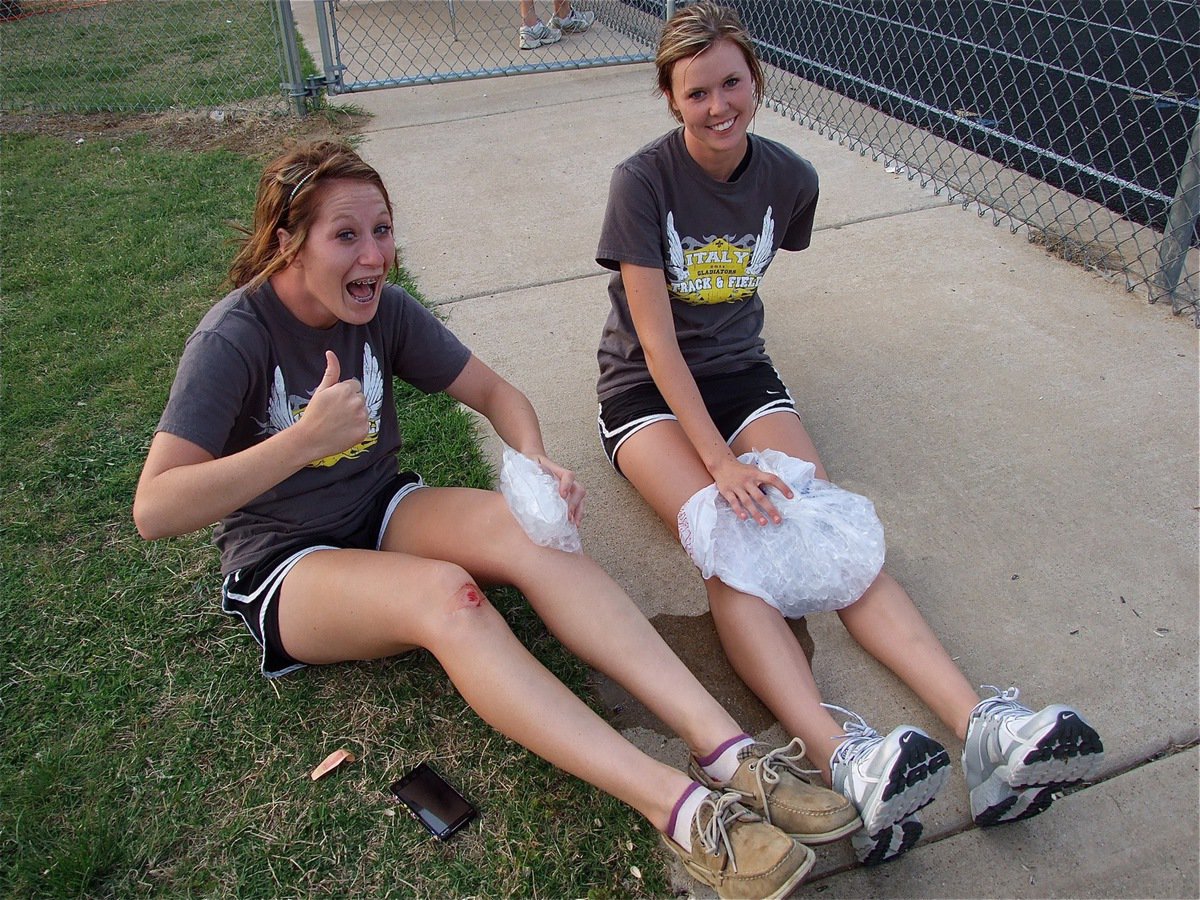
point(568, 488)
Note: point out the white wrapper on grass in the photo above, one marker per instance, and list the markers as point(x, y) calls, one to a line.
point(822, 556)
point(533, 497)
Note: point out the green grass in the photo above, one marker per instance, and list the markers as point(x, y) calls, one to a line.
point(142, 752)
point(140, 55)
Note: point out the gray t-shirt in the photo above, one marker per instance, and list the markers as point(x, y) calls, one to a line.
point(712, 239)
point(249, 370)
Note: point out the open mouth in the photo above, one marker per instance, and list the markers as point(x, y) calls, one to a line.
point(362, 290)
point(722, 127)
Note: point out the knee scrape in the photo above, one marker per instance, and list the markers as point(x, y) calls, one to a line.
point(469, 595)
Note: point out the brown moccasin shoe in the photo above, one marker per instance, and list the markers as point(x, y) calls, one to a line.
point(739, 855)
point(772, 784)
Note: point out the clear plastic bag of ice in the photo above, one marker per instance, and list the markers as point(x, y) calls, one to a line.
point(533, 497)
point(822, 556)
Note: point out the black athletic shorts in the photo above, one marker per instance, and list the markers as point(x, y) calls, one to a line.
point(733, 401)
point(251, 591)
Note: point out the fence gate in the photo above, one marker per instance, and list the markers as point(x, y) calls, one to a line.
point(369, 44)
point(1079, 120)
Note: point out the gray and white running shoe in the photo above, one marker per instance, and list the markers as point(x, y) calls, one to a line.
point(575, 23)
point(887, 778)
point(1015, 759)
point(534, 36)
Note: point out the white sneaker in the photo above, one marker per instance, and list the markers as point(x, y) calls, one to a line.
point(534, 36)
point(1015, 759)
point(576, 23)
point(887, 778)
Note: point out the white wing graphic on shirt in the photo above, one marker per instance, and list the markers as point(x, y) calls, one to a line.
point(279, 411)
point(763, 247)
point(372, 384)
point(676, 269)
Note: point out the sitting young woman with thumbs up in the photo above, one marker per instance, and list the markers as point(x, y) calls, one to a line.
point(281, 427)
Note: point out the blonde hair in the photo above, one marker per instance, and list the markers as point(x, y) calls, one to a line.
point(691, 31)
point(289, 198)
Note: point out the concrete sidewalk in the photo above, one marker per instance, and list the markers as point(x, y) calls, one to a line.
point(1027, 431)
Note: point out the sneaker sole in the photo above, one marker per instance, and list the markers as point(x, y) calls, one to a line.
point(537, 42)
point(920, 770)
point(1013, 806)
point(886, 845)
point(1066, 752)
point(703, 876)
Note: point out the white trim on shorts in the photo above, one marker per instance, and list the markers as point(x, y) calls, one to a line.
point(270, 585)
point(274, 581)
point(632, 428)
point(783, 404)
point(391, 508)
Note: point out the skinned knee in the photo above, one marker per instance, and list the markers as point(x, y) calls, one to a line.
point(459, 608)
point(469, 595)
point(453, 588)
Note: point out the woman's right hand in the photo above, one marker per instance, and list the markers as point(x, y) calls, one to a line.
point(336, 417)
point(743, 487)
point(183, 487)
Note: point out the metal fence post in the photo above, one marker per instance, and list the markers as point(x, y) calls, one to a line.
point(291, 56)
point(1181, 228)
point(326, 24)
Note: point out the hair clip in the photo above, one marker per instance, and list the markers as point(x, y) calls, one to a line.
point(299, 184)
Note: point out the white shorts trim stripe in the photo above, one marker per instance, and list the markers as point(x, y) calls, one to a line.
point(270, 587)
point(391, 508)
point(630, 430)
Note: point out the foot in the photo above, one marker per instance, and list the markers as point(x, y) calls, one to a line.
point(888, 843)
point(887, 778)
point(1015, 759)
point(534, 36)
point(772, 784)
point(575, 23)
point(738, 854)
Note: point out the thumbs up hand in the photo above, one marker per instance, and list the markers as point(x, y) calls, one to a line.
point(336, 417)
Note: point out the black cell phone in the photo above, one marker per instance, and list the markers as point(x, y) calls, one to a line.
point(435, 803)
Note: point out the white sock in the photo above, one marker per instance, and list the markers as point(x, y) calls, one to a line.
point(679, 828)
point(722, 764)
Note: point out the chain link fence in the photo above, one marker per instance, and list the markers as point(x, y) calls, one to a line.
point(1077, 119)
point(368, 44)
point(85, 56)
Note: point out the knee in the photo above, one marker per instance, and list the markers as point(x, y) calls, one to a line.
point(881, 594)
point(459, 610)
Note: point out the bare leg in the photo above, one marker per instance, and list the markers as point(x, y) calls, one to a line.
point(884, 621)
point(580, 604)
point(766, 655)
point(528, 14)
point(756, 638)
point(888, 625)
point(760, 646)
point(350, 604)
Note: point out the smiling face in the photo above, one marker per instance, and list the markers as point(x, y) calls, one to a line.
point(338, 273)
point(713, 92)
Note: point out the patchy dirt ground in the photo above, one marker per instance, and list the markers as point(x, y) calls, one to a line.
point(251, 132)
